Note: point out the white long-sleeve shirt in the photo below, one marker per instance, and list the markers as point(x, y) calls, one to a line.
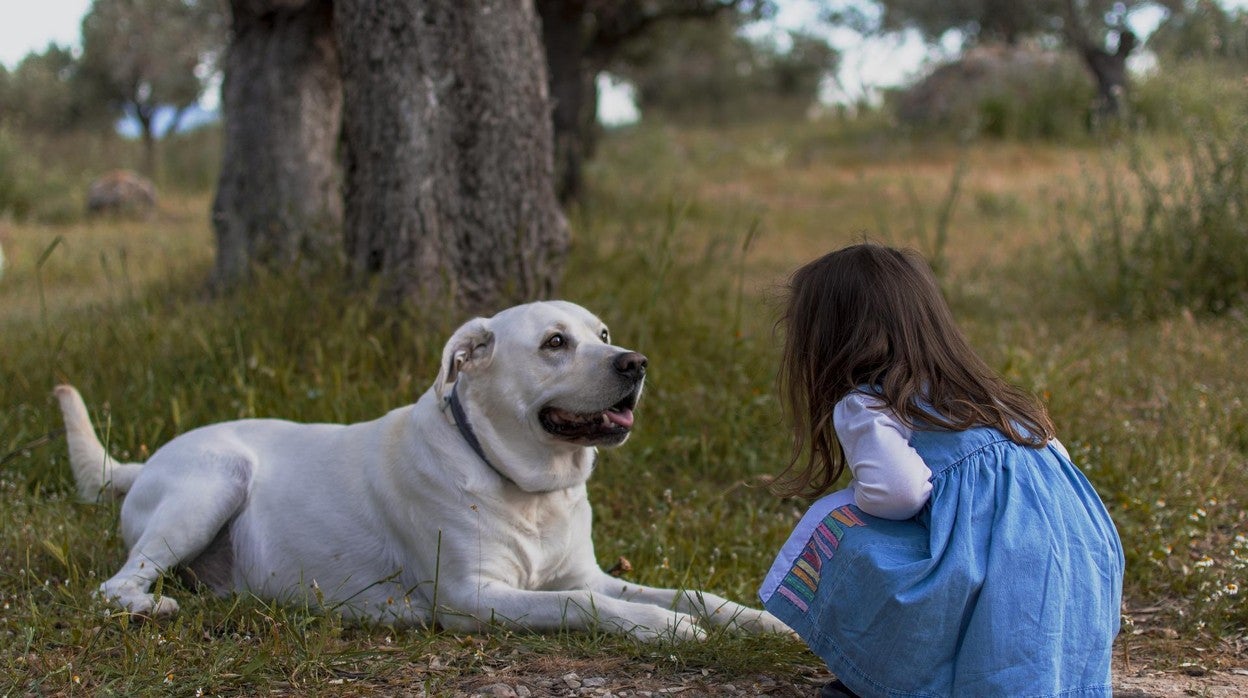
point(890, 479)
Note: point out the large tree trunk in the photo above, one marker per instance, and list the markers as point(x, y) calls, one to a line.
point(449, 170)
point(573, 91)
point(278, 195)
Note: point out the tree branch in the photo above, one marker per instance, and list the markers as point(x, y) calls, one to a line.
point(617, 23)
point(1073, 28)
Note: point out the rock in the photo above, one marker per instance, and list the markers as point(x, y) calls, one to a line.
point(121, 192)
point(954, 93)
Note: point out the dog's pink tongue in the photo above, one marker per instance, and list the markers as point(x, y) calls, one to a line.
point(622, 418)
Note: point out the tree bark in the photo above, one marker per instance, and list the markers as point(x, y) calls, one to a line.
point(1110, 72)
point(278, 196)
point(145, 117)
point(449, 169)
point(571, 80)
point(580, 38)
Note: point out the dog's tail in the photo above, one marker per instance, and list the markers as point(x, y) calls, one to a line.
point(97, 475)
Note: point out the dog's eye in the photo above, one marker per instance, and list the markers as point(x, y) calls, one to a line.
point(555, 341)
point(606, 336)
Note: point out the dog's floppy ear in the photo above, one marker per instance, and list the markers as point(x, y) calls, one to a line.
point(471, 346)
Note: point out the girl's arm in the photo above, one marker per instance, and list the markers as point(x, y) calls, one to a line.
point(891, 480)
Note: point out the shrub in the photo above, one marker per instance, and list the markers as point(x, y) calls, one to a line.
point(30, 188)
point(1002, 92)
point(16, 197)
point(1211, 93)
point(190, 160)
point(1178, 240)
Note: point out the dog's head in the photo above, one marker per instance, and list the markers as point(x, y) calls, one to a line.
point(542, 384)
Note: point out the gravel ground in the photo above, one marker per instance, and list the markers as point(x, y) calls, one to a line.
point(1138, 684)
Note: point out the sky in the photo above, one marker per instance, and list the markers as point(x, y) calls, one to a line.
point(27, 26)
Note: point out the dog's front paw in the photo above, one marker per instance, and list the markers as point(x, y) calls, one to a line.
point(139, 603)
point(734, 616)
point(670, 626)
point(762, 623)
point(684, 627)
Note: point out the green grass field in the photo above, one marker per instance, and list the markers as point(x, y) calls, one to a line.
point(683, 249)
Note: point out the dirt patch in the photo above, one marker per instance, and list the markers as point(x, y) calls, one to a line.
point(1147, 683)
point(551, 676)
point(575, 678)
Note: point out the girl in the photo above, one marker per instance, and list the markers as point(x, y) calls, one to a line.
point(968, 556)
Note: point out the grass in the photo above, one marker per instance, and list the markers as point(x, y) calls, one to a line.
point(681, 250)
point(1168, 241)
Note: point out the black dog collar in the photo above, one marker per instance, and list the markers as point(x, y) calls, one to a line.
point(465, 430)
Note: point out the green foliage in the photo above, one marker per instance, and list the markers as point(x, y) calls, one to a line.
point(1002, 92)
point(1169, 242)
point(145, 53)
point(141, 55)
point(1052, 105)
point(44, 177)
point(1190, 94)
point(1028, 94)
point(16, 198)
point(1206, 31)
point(45, 93)
point(1003, 20)
point(706, 71)
point(28, 190)
point(190, 160)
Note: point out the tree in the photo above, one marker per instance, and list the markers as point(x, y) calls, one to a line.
point(449, 175)
point(1095, 29)
point(710, 72)
point(46, 93)
point(580, 39)
point(279, 192)
point(1206, 31)
point(145, 54)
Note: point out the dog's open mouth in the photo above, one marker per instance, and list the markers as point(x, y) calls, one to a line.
point(610, 426)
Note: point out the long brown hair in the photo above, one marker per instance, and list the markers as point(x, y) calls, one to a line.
point(870, 316)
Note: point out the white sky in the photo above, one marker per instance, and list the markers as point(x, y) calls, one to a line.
point(30, 25)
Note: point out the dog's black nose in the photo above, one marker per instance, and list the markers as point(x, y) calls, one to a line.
point(631, 364)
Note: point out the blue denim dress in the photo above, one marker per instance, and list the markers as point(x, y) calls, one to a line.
point(1008, 583)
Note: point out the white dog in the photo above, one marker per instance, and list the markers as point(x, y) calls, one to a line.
point(467, 508)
